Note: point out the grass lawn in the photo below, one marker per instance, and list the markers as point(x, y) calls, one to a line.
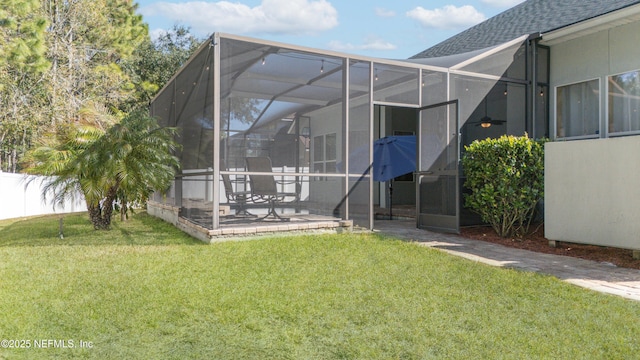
point(145, 290)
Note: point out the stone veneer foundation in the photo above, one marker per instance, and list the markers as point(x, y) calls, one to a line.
point(170, 213)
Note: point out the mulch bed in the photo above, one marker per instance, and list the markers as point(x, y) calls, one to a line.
point(537, 242)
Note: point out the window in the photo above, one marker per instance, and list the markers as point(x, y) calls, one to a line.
point(624, 102)
point(324, 155)
point(578, 109)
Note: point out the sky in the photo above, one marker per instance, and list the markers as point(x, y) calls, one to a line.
point(378, 28)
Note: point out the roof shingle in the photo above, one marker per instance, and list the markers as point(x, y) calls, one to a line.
point(529, 17)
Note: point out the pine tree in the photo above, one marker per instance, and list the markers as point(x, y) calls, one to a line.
point(22, 65)
point(87, 41)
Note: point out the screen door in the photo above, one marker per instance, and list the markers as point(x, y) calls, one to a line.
point(437, 185)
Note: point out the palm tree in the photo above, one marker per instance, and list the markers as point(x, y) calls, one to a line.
point(140, 159)
point(126, 162)
point(57, 152)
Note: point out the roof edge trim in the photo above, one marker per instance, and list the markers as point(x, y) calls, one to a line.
point(490, 52)
point(587, 26)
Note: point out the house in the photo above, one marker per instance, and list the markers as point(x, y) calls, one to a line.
point(592, 84)
point(567, 70)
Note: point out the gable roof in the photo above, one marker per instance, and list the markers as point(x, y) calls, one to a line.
point(529, 17)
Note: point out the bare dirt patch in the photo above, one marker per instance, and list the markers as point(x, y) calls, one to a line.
point(538, 243)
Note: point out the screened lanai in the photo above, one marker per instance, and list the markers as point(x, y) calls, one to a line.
point(280, 133)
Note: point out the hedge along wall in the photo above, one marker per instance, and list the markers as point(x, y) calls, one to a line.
point(18, 198)
point(506, 179)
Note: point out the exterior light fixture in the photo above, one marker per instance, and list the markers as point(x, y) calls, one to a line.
point(505, 90)
point(376, 75)
point(322, 67)
point(264, 61)
point(486, 121)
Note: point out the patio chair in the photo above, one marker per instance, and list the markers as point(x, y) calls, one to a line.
point(264, 188)
point(239, 197)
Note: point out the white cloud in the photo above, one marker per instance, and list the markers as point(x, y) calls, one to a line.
point(271, 16)
point(381, 12)
point(447, 17)
point(502, 3)
point(157, 33)
point(370, 43)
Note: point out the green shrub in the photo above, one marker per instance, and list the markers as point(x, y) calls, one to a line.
point(506, 179)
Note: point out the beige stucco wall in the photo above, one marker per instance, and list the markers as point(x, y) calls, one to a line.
point(591, 192)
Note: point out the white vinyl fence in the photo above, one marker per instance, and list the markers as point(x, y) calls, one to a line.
point(20, 197)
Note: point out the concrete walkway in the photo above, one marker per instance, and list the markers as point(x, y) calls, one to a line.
point(592, 275)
